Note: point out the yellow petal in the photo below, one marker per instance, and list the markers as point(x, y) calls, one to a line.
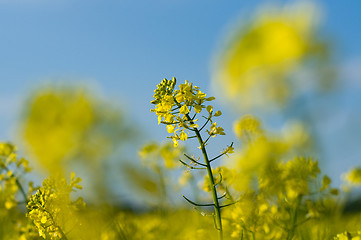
point(183, 136)
point(43, 219)
point(218, 113)
point(170, 128)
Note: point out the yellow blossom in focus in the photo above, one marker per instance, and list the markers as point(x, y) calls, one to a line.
point(174, 108)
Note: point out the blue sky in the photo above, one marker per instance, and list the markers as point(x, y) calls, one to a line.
point(124, 48)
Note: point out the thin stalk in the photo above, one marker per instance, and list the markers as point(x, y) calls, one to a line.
point(217, 208)
point(253, 235)
point(163, 189)
point(21, 190)
point(19, 185)
point(291, 231)
point(63, 236)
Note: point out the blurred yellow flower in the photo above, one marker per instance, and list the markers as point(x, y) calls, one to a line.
point(255, 66)
point(247, 126)
point(154, 154)
point(65, 123)
point(55, 123)
point(354, 176)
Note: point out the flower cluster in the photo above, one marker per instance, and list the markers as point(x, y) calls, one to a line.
point(247, 126)
point(353, 177)
point(178, 109)
point(51, 208)
point(254, 72)
point(11, 167)
point(348, 236)
point(174, 108)
point(150, 154)
point(88, 128)
point(278, 187)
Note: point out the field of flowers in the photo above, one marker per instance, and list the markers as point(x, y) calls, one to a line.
point(264, 184)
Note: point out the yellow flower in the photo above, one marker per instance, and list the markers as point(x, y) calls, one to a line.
point(174, 106)
point(198, 108)
point(228, 150)
point(218, 113)
point(63, 124)
point(183, 136)
point(214, 130)
point(260, 58)
point(247, 126)
point(183, 110)
point(209, 108)
point(51, 205)
point(170, 128)
point(175, 142)
point(354, 176)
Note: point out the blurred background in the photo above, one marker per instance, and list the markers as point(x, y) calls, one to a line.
point(77, 78)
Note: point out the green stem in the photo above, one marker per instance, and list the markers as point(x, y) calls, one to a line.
point(19, 185)
point(163, 191)
point(292, 229)
point(22, 190)
point(63, 236)
point(217, 209)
